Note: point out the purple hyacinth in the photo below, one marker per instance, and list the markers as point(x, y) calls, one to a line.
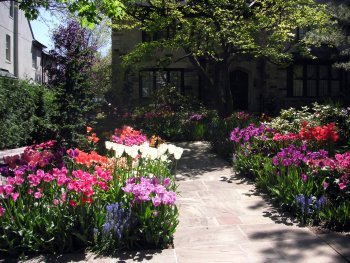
point(117, 220)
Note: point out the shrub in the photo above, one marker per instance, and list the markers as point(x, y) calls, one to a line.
point(298, 163)
point(25, 113)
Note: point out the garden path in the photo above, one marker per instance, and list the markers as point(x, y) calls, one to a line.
point(224, 219)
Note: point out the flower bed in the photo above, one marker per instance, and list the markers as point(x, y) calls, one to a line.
point(301, 160)
point(57, 200)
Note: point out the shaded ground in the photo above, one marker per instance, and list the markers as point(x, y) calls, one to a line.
point(223, 218)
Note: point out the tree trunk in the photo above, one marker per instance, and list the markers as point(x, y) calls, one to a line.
point(223, 88)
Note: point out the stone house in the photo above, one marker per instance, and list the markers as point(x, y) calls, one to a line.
point(21, 55)
point(256, 84)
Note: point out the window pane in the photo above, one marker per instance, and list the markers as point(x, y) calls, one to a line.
point(335, 73)
point(311, 88)
point(335, 87)
point(161, 79)
point(323, 90)
point(311, 71)
point(11, 8)
point(34, 59)
point(298, 88)
point(324, 72)
point(8, 48)
point(146, 83)
point(175, 79)
point(298, 72)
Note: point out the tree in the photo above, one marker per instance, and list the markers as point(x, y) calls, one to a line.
point(73, 56)
point(90, 12)
point(338, 36)
point(213, 33)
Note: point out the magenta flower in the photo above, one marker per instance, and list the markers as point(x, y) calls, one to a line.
point(8, 189)
point(2, 211)
point(38, 195)
point(325, 185)
point(156, 201)
point(341, 186)
point(145, 189)
point(14, 196)
point(304, 177)
point(166, 182)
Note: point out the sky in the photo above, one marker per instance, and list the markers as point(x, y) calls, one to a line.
point(43, 26)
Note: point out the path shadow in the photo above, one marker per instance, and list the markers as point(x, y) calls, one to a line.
point(274, 212)
point(120, 257)
point(296, 245)
point(197, 160)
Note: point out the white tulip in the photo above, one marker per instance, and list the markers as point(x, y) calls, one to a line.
point(164, 158)
point(132, 151)
point(109, 145)
point(144, 147)
point(150, 153)
point(162, 149)
point(178, 153)
point(171, 148)
point(119, 149)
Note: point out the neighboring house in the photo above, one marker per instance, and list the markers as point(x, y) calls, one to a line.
point(256, 84)
point(21, 55)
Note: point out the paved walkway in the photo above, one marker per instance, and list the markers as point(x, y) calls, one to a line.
point(224, 219)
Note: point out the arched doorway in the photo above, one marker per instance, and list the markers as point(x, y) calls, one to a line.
point(239, 83)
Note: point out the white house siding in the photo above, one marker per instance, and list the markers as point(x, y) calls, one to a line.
point(25, 45)
point(6, 28)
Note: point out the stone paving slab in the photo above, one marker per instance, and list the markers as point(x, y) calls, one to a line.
point(11, 152)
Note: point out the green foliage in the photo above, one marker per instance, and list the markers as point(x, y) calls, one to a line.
point(90, 12)
point(214, 33)
point(25, 113)
point(335, 34)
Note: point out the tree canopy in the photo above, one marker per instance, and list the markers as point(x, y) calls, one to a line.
point(214, 32)
point(337, 37)
point(90, 11)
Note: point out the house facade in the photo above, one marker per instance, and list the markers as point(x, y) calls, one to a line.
point(256, 84)
point(21, 55)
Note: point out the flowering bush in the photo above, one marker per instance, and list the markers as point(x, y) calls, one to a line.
point(300, 160)
point(55, 200)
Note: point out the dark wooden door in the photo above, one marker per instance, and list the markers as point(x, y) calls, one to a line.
point(239, 82)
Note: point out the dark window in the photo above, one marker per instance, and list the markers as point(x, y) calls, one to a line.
point(166, 33)
point(314, 80)
point(8, 48)
point(34, 58)
point(153, 79)
point(12, 7)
